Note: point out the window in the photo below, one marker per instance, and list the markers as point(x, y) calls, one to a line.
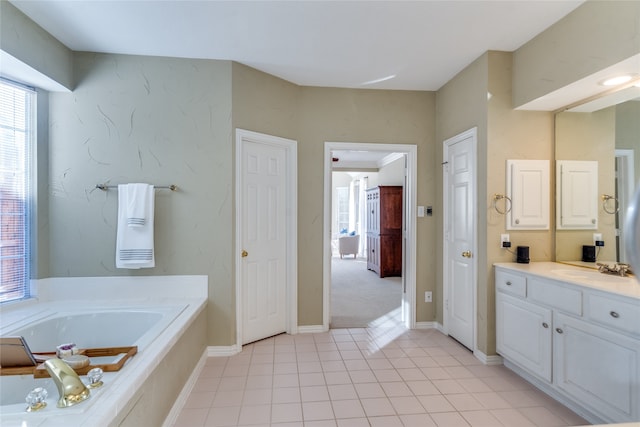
point(17, 114)
point(343, 209)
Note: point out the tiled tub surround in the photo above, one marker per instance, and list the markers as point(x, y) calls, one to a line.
point(574, 333)
point(143, 392)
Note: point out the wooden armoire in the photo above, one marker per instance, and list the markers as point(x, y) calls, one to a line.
point(384, 230)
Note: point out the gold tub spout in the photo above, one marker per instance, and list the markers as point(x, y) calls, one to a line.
point(70, 387)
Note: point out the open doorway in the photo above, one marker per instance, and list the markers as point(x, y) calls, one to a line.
point(358, 293)
point(366, 194)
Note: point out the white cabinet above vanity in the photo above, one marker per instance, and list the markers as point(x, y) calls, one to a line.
point(577, 192)
point(574, 333)
point(528, 191)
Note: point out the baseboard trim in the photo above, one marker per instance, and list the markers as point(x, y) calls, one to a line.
point(311, 329)
point(181, 400)
point(222, 351)
point(426, 325)
point(487, 360)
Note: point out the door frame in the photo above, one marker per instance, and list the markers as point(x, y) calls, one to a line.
point(291, 212)
point(625, 184)
point(409, 233)
point(446, 285)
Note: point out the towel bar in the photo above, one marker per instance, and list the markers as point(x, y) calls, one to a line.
point(105, 187)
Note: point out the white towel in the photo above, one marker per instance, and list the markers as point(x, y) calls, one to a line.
point(134, 245)
point(137, 204)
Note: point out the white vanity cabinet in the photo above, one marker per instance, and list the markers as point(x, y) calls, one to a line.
point(579, 344)
point(523, 334)
point(597, 367)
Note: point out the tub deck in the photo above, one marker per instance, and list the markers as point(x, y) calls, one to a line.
point(124, 389)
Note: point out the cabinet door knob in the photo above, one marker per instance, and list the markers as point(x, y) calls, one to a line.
point(560, 331)
point(508, 283)
point(545, 325)
point(614, 314)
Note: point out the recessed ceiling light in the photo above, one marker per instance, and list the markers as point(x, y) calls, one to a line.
point(383, 79)
point(618, 80)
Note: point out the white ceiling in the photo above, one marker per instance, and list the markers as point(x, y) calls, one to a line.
point(414, 45)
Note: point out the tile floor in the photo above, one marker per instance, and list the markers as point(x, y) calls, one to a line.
point(365, 377)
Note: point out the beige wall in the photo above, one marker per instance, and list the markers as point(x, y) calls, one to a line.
point(264, 103)
point(461, 104)
point(313, 116)
point(511, 134)
point(589, 136)
point(592, 37)
point(368, 116)
point(481, 96)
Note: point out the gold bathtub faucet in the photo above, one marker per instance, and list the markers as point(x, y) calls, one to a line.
point(70, 388)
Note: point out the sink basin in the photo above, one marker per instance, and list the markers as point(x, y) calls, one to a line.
point(593, 276)
point(574, 274)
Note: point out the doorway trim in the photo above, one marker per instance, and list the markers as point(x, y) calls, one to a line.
point(409, 298)
point(291, 164)
point(446, 284)
point(625, 184)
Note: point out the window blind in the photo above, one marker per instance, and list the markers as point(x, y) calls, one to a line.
point(17, 114)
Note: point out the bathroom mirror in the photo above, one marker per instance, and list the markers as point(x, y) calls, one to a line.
point(610, 136)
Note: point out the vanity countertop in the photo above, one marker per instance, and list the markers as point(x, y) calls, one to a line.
point(588, 277)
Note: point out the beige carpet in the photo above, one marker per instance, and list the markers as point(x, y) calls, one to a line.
point(359, 298)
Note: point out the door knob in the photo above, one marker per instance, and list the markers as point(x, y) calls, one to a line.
point(466, 254)
point(244, 253)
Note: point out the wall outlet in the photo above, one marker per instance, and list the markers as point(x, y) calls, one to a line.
point(428, 296)
point(597, 237)
point(504, 241)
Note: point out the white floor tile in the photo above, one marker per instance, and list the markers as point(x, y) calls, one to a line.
point(364, 377)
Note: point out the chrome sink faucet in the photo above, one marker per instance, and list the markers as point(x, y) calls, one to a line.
point(620, 269)
point(70, 388)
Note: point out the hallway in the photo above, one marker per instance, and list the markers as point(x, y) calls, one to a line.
point(360, 299)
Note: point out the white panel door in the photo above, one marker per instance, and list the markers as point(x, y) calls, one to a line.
point(264, 245)
point(460, 239)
